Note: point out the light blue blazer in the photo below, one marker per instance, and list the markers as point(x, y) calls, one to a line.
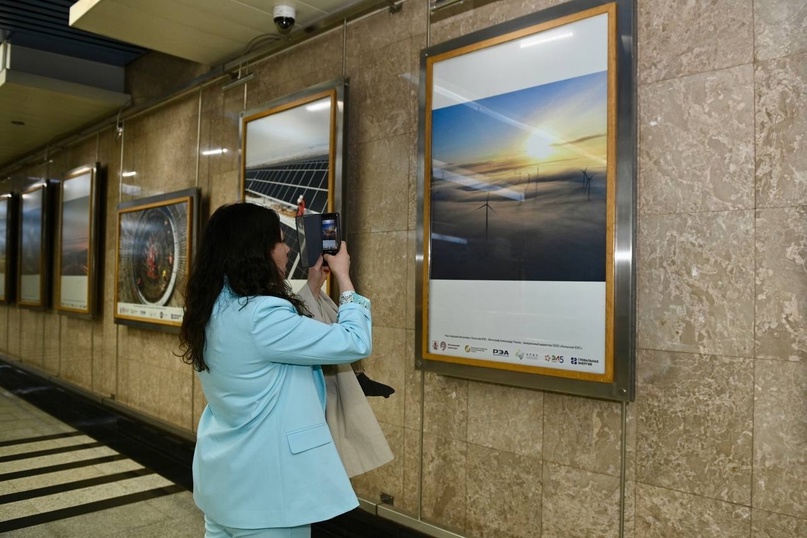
point(264, 455)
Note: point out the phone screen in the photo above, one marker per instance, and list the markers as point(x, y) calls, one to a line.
point(330, 232)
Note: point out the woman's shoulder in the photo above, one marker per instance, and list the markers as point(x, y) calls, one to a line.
point(228, 299)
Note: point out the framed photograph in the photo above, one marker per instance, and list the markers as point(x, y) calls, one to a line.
point(293, 159)
point(8, 213)
point(526, 181)
point(77, 256)
point(33, 260)
point(156, 238)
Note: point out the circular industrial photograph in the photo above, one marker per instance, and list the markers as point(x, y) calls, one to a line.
point(154, 254)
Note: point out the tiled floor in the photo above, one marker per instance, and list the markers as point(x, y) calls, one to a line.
point(57, 482)
point(70, 467)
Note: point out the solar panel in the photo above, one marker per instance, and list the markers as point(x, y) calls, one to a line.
point(279, 186)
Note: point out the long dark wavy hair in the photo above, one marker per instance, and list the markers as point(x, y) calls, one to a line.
point(236, 244)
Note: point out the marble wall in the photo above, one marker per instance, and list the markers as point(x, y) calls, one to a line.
point(717, 437)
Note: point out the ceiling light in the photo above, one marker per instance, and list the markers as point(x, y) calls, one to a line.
point(129, 174)
point(217, 151)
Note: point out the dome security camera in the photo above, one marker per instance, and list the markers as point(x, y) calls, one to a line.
point(285, 17)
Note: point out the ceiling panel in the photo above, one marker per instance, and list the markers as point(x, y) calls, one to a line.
point(43, 25)
point(45, 108)
point(209, 32)
point(54, 79)
point(115, 32)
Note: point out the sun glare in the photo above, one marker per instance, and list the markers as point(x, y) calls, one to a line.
point(539, 145)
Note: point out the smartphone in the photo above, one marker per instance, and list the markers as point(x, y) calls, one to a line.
point(331, 234)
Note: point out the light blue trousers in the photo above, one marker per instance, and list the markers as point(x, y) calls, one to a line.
point(214, 530)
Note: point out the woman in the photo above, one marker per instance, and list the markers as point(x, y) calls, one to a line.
point(265, 464)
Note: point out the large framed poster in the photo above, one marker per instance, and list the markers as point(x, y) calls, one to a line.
point(33, 259)
point(526, 182)
point(156, 238)
point(293, 159)
point(8, 211)
point(77, 256)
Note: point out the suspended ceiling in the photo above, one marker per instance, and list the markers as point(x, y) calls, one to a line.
point(60, 91)
point(209, 32)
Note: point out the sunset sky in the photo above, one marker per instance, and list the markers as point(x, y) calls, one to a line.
point(558, 127)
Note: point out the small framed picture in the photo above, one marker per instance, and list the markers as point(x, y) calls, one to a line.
point(33, 260)
point(156, 238)
point(8, 241)
point(77, 257)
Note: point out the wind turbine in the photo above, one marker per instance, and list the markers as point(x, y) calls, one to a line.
point(488, 209)
point(588, 179)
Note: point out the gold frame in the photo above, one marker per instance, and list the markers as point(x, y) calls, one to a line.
point(429, 60)
point(7, 254)
point(162, 317)
point(93, 258)
point(335, 90)
point(44, 247)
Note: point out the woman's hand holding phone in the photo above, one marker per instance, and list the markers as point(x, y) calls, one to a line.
point(339, 264)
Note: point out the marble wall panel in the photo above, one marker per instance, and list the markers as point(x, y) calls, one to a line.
point(779, 28)
point(676, 39)
point(383, 28)
point(379, 273)
point(697, 143)
point(219, 175)
point(781, 286)
point(162, 393)
point(105, 349)
point(76, 351)
point(150, 348)
point(504, 494)
point(478, 18)
point(411, 281)
point(225, 189)
point(409, 502)
point(286, 73)
point(661, 513)
point(380, 173)
point(83, 152)
point(13, 346)
point(445, 482)
point(152, 379)
point(585, 433)
point(695, 419)
point(161, 147)
point(771, 525)
point(32, 337)
point(387, 365)
point(696, 283)
point(506, 418)
point(445, 406)
point(387, 479)
point(781, 98)
point(51, 335)
point(780, 437)
point(104, 357)
point(380, 82)
point(580, 504)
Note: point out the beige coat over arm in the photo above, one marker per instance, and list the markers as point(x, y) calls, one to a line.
point(358, 436)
